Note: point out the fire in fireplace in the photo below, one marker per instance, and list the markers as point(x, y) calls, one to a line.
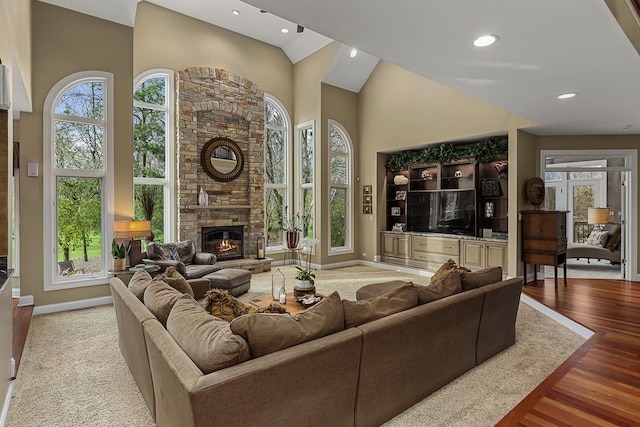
point(225, 242)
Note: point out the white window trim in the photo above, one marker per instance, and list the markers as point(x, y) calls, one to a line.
point(50, 268)
point(299, 186)
point(287, 185)
point(169, 180)
point(348, 248)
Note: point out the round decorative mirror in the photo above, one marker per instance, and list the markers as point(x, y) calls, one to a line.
point(222, 159)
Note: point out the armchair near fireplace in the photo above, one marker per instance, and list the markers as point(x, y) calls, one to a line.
point(190, 263)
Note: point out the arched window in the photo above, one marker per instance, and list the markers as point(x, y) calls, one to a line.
point(340, 209)
point(78, 194)
point(277, 187)
point(153, 152)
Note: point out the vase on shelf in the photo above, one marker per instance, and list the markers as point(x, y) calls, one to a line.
point(203, 197)
point(292, 239)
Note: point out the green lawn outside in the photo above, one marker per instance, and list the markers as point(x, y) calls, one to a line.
point(93, 250)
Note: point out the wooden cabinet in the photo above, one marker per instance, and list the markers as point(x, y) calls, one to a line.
point(397, 198)
point(396, 247)
point(493, 200)
point(544, 240)
point(431, 252)
point(479, 254)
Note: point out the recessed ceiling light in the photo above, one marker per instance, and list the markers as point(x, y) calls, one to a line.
point(486, 40)
point(353, 53)
point(284, 31)
point(235, 12)
point(567, 95)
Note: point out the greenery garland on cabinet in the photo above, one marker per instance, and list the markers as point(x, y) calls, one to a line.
point(483, 151)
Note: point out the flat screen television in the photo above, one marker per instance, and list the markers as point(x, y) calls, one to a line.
point(449, 212)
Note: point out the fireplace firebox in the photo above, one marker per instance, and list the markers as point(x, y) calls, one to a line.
point(225, 242)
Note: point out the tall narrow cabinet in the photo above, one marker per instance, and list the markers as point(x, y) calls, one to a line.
point(544, 241)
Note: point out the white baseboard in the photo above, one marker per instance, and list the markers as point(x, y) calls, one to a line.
point(25, 301)
point(6, 403)
point(575, 327)
point(72, 305)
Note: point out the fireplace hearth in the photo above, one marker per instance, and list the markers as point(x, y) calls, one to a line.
point(226, 242)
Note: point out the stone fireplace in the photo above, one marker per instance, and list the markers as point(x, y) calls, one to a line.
point(225, 242)
point(217, 103)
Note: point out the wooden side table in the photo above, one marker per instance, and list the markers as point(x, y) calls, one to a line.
point(126, 275)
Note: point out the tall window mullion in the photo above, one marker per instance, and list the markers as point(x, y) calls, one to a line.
point(153, 173)
point(305, 174)
point(277, 188)
point(340, 210)
point(77, 152)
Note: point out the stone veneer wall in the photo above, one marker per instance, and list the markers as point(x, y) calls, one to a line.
point(217, 103)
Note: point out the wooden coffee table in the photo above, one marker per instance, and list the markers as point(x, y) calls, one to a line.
point(291, 306)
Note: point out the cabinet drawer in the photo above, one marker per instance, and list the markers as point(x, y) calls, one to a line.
point(436, 245)
point(542, 258)
point(553, 246)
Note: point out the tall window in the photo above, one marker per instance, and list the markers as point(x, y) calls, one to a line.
point(340, 168)
point(305, 176)
point(77, 153)
point(276, 154)
point(153, 152)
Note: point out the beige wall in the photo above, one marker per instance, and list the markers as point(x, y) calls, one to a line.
point(342, 106)
point(307, 89)
point(15, 40)
point(594, 142)
point(401, 110)
point(66, 42)
point(165, 39)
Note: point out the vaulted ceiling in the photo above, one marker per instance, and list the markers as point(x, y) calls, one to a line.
point(544, 48)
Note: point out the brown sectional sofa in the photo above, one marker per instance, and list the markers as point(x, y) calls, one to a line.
point(360, 376)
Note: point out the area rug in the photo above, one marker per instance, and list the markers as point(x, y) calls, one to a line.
point(72, 372)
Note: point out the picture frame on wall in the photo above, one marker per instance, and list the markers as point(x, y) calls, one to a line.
point(367, 210)
point(366, 189)
point(367, 199)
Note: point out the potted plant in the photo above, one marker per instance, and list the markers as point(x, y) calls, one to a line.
point(292, 226)
point(305, 278)
point(119, 253)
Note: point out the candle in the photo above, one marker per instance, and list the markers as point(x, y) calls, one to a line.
point(260, 253)
point(283, 296)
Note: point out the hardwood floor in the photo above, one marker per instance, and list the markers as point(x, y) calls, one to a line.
point(21, 322)
point(599, 385)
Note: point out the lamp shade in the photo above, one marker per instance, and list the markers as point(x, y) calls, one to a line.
point(597, 215)
point(131, 229)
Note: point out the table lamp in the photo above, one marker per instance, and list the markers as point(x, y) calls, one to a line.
point(129, 230)
point(597, 217)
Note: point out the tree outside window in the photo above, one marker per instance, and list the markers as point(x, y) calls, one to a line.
point(151, 148)
point(78, 166)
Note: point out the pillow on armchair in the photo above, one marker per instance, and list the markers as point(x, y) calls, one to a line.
point(183, 257)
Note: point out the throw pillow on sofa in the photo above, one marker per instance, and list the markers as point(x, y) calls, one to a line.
point(207, 340)
point(614, 237)
point(221, 304)
point(139, 282)
point(597, 238)
point(176, 281)
point(268, 333)
point(447, 284)
point(159, 298)
point(178, 251)
point(358, 312)
point(476, 279)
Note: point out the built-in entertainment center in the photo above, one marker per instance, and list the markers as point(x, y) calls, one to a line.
point(455, 209)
